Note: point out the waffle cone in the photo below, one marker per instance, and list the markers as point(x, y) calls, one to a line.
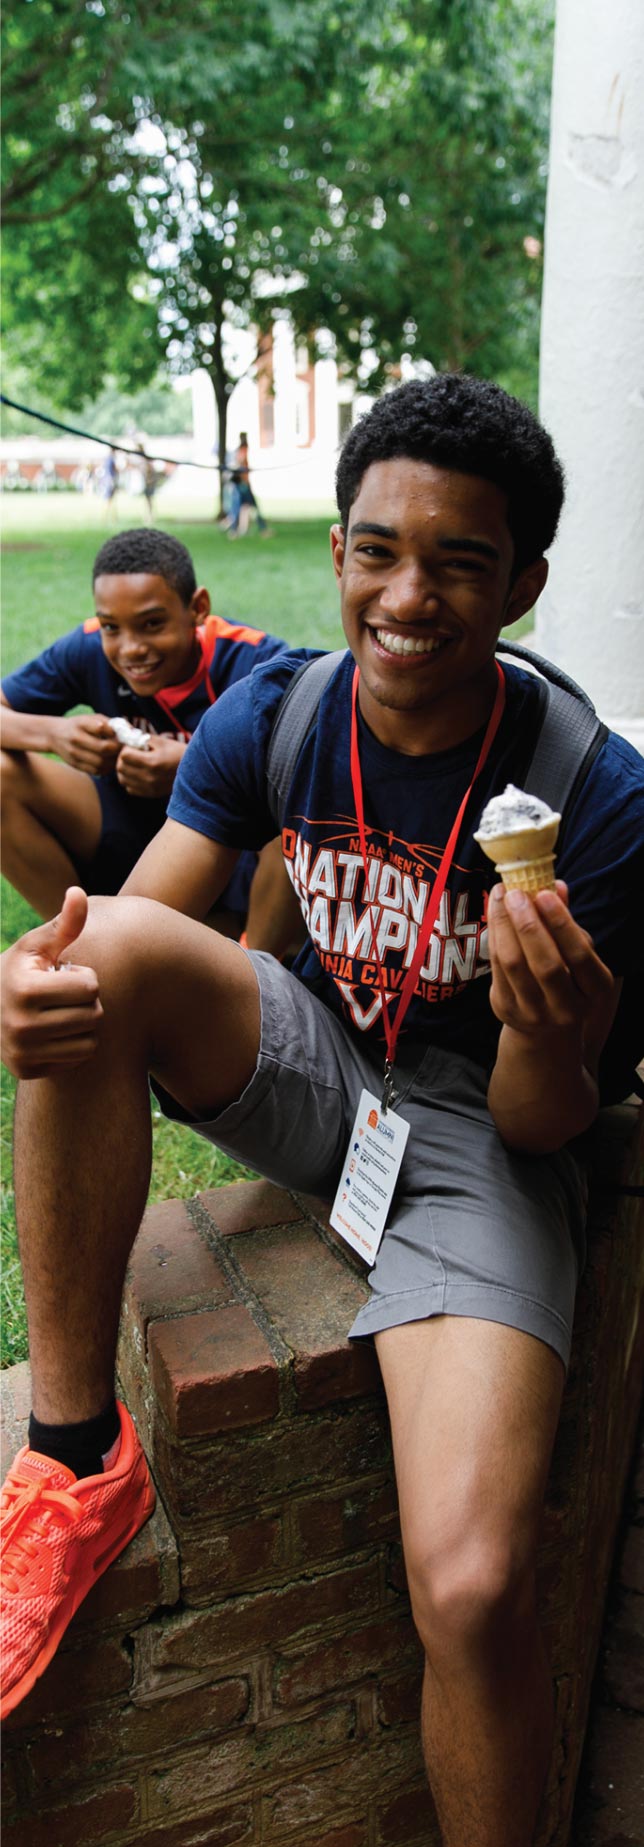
point(524, 858)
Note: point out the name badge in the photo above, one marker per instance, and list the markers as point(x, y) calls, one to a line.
point(372, 1164)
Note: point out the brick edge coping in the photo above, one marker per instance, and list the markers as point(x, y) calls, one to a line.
point(300, 1370)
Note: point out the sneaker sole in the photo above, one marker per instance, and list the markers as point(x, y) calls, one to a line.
point(72, 1604)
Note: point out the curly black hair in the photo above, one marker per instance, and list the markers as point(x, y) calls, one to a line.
point(471, 426)
point(145, 549)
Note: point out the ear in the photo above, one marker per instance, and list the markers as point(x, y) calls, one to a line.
point(337, 549)
point(526, 590)
point(200, 604)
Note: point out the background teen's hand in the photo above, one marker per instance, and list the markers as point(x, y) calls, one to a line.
point(546, 976)
point(150, 772)
point(87, 743)
point(51, 1009)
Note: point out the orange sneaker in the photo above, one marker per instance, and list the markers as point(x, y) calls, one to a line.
point(58, 1535)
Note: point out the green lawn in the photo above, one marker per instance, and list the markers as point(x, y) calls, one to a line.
point(284, 584)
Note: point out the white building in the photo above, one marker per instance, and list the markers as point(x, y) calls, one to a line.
point(295, 415)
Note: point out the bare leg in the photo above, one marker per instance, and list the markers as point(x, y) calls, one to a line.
point(51, 816)
point(274, 920)
point(474, 1408)
point(172, 992)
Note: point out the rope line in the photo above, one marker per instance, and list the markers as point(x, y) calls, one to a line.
point(222, 468)
point(122, 448)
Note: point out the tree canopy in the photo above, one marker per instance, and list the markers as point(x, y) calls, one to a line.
point(74, 287)
point(376, 167)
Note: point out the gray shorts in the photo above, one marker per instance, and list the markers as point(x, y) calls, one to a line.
point(473, 1229)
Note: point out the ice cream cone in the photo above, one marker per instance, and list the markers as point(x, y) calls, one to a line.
point(524, 856)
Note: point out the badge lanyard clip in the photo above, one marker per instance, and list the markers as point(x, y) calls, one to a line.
point(389, 1095)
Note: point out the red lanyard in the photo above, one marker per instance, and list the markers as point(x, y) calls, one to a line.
point(175, 695)
point(392, 1027)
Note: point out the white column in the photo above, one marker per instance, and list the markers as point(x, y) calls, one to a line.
point(204, 414)
point(591, 616)
point(326, 408)
point(284, 383)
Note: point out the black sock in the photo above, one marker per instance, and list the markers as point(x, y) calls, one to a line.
point(80, 1446)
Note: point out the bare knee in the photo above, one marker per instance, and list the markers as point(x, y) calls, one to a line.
point(22, 787)
point(119, 943)
point(120, 936)
point(14, 786)
point(467, 1592)
point(144, 953)
point(170, 988)
point(13, 779)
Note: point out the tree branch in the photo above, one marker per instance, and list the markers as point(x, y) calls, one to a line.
point(56, 211)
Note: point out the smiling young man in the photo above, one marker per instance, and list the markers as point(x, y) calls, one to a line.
point(154, 655)
point(487, 1014)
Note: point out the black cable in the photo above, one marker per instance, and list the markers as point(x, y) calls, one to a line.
point(142, 456)
point(222, 468)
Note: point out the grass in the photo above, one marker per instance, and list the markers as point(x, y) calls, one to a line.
point(284, 584)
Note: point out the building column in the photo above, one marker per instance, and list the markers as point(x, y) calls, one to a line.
point(591, 616)
point(204, 415)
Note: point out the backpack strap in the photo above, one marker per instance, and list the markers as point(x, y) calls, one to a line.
point(545, 669)
point(294, 718)
point(570, 735)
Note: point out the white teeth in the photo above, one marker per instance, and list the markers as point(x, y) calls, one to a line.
point(405, 644)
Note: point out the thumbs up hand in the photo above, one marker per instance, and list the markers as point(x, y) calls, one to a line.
point(50, 1007)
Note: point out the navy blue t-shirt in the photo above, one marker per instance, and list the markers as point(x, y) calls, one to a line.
point(75, 671)
point(410, 805)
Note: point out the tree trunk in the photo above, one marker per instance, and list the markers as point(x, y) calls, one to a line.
point(221, 385)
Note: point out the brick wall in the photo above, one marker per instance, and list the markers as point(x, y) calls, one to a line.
point(609, 1811)
point(248, 1672)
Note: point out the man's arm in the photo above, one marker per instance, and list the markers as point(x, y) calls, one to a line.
point(183, 869)
point(556, 1001)
point(85, 743)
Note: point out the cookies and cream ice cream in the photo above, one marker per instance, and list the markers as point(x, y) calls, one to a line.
point(129, 734)
point(518, 832)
